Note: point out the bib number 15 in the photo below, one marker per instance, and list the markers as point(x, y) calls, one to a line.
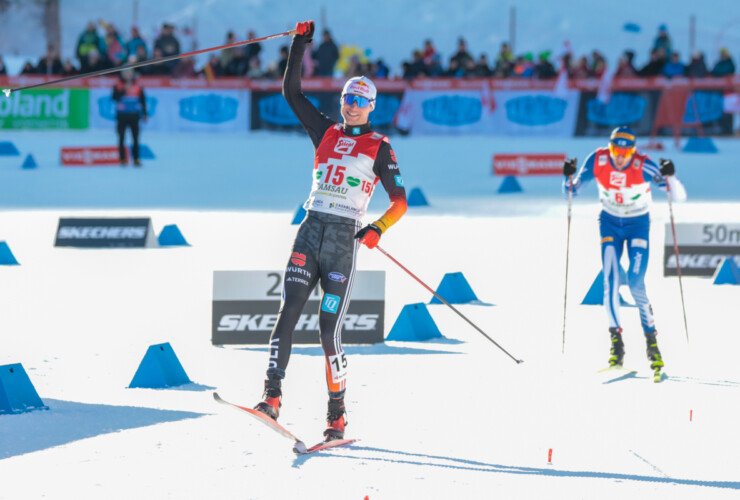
point(335, 174)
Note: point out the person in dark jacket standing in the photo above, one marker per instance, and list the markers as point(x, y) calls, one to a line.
point(130, 108)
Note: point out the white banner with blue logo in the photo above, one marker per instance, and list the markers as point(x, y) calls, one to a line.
point(182, 110)
point(510, 112)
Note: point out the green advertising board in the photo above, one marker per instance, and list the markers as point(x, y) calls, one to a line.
point(54, 108)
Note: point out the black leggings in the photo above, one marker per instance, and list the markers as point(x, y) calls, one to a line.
point(324, 252)
point(128, 120)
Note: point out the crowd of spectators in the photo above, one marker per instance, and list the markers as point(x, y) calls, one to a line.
point(101, 46)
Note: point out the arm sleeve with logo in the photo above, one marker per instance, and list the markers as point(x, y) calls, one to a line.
point(386, 168)
point(585, 176)
point(651, 172)
point(313, 121)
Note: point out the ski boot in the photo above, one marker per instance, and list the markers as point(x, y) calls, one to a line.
point(653, 354)
point(270, 405)
point(616, 353)
point(335, 421)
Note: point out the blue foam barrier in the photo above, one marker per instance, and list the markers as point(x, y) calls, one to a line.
point(595, 294)
point(728, 273)
point(509, 185)
point(699, 145)
point(455, 289)
point(171, 236)
point(29, 162)
point(417, 199)
point(159, 369)
point(145, 152)
point(299, 215)
point(7, 148)
point(6, 256)
point(414, 324)
point(17, 394)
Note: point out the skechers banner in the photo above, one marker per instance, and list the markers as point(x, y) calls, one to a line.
point(246, 303)
point(105, 233)
point(701, 247)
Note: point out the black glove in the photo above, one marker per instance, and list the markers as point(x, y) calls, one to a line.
point(569, 167)
point(369, 235)
point(305, 30)
point(666, 167)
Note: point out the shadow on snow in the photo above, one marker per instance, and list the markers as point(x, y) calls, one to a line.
point(476, 466)
point(68, 421)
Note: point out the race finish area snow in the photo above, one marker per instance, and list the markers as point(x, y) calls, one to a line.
point(447, 418)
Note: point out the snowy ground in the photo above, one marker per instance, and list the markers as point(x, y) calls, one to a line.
point(454, 418)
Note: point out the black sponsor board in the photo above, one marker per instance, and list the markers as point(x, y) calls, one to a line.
point(270, 111)
point(701, 247)
point(246, 304)
point(697, 260)
point(104, 233)
point(251, 322)
point(636, 109)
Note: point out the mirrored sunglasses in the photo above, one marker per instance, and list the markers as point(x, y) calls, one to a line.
point(621, 151)
point(362, 102)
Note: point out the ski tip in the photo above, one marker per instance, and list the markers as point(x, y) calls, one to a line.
point(300, 447)
point(7, 92)
point(519, 361)
point(216, 396)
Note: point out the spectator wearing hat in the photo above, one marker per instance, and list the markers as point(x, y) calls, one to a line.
point(544, 69)
point(674, 66)
point(462, 56)
point(69, 69)
point(696, 68)
point(89, 41)
point(168, 44)
point(136, 41)
point(663, 41)
point(326, 55)
point(725, 65)
point(625, 67)
point(50, 64)
point(654, 67)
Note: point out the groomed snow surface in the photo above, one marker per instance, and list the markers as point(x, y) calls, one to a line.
point(451, 418)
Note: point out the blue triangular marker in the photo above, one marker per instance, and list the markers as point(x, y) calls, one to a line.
point(29, 162)
point(7, 148)
point(699, 145)
point(6, 256)
point(509, 185)
point(417, 199)
point(728, 273)
point(17, 394)
point(595, 294)
point(299, 215)
point(160, 368)
point(455, 289)
point(171, 236)
point(414, 324)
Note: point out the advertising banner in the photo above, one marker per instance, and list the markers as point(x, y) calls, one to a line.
point(633, 108)
point(270, 110)
point(701, 247)
point(105, 233)
point(525, 112)
point(90, 156)
point(528, 164)
point(246, 303)
point(181, 110)
point(48, 108)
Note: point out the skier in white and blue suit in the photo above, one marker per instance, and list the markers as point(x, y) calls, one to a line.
point(624, 176)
